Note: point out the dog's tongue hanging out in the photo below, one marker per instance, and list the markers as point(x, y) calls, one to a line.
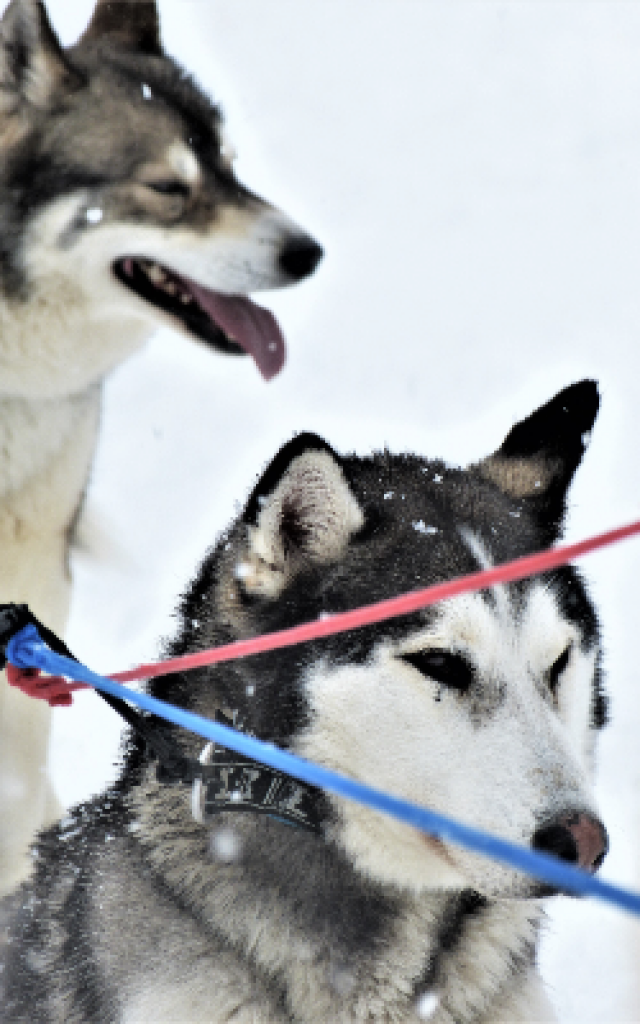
point(253, 328)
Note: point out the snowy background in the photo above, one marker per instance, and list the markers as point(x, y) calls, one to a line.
point(473, 170)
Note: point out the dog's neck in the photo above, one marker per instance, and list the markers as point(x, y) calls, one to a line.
point(435, 938)
point(57, 342)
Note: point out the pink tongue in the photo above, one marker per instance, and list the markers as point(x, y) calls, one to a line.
point(255, 329)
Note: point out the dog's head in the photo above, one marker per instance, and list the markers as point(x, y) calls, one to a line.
point(483, 707)
point(118, 197)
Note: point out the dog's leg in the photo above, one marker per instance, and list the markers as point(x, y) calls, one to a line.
point(27, 801)
point(35, 520)
point(24, 726)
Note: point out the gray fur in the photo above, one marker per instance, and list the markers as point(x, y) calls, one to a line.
point(136, 912)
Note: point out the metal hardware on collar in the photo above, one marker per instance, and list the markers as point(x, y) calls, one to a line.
point(231, 782)
point(198, 789)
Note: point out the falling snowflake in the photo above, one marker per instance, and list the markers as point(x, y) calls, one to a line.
point(426, 1005)
point(225, 845)
point(421, 527)
point(341, 980)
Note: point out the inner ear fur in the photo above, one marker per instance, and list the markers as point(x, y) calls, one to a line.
point(521, 477)
point(130, 24)
point(540, 455)
point(308, 518)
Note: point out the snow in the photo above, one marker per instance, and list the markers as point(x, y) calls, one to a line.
point(421, 527)
point(426, 1005)
point(225, 845)
point(472, 171)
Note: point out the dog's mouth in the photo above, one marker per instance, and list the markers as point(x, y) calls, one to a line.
point(231, 323)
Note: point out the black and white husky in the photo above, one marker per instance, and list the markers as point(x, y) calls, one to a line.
point(119, 211)
point(145, 908)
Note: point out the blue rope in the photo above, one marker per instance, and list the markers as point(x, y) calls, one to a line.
point(27, 650)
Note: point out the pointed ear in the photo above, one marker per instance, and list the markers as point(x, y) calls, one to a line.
point(130, 24)
point(33, 66)
point(302, 513)
point(540, 455)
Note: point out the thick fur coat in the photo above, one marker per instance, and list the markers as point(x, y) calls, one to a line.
point(484, 707)
point(119, 211)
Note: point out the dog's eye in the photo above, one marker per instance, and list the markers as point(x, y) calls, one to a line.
point(170, 187)
point(451, 670)
point(558, 668)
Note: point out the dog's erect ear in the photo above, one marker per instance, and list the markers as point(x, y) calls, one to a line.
point(33, 66)
point(302, 513)
point(131, 24)
point(539, 456)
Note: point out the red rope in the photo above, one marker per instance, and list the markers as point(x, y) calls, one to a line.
point(57, 691)
point(391, 608)
point(54, 689)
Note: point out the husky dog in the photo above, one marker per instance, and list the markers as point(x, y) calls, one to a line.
point(144, 909)
point(119, 211)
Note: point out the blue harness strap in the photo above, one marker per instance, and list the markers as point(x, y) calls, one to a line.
point(27, 650)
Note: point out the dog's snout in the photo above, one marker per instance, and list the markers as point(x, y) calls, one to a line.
point(578, 838)
point(300, 256)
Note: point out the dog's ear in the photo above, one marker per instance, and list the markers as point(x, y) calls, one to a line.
point(130, 24)
point(302, 513)
point(540, 455)
point(33, 66)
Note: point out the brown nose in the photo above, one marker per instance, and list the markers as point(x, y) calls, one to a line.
point(575, 837)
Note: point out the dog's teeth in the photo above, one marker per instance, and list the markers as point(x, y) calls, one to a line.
point(186, 299)
point(155, 273)
point(170, 287)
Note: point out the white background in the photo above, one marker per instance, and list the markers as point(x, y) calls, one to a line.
point(473, 170)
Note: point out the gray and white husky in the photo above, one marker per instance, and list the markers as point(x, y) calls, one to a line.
point(119, 211)
point(154, 903)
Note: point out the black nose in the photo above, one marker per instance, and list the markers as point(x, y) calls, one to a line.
point(300, 256)
point(575, 837)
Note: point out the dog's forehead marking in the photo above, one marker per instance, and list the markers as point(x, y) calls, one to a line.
point(498, 633)
point(184, 162)
point(484, 560)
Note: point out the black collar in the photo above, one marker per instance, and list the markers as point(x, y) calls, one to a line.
point(221, 779)
point(232, 782)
